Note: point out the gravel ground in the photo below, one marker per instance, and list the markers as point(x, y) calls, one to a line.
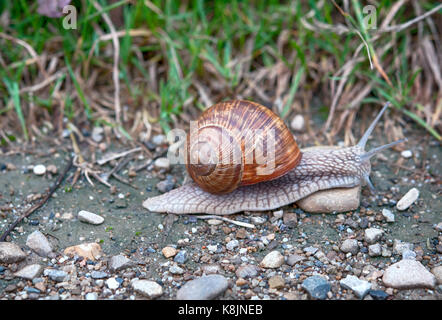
point(99, 243)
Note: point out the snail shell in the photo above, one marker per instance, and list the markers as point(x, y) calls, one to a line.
point(232, 143)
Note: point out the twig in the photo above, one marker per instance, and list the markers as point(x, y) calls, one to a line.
point(239, 223)
point(116, 156)
point(28, 212)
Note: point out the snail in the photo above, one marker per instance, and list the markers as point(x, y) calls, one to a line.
point(226, 187)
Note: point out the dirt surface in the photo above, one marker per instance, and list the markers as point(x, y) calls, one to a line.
point(129, 228)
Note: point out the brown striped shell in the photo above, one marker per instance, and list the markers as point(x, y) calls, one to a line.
point(238, 143)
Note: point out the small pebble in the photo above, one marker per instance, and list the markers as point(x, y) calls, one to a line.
point(406, 154)
point(350, 245)
point(272, 260)
point(317, 287)
point(162, 163)
point(203, 288)
point(359, 287)
point(297, 123)
point(372, 235)
point(147, 288)
point(89, 217)
point(169, 252)
point(388, 215)
point(39, 170)
point(112, 283)
point(408, 199)
point(408, 274)
point(374, 250)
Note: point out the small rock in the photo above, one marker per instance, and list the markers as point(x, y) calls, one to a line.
point(359, 287)
point(408, 274)
point(438, 227)
point(290, 219)
point(350, 245)
point(39, 170)
point(372, 235)
point(52, 169)
point(91, 296)
point(38, 242)
point(258, 220)
point(247, 271)
point(112, 283)
point(278, 214)
point(147, 288)
point(181, 257)
point(388, 215)
point(97, 134)
point(162, 163)
point(399, 246)
point(174, 269)
point(203, 288)
point(294, 259)
point(98, 274)
point(232, 244)
point(310, 250)
point(169, 252)
point(297, 123)
point(406, 154)
point(437, 271)
point(90, 251)
point(89, 217)
point(374, 250)
point(408, 199)
point(10, 252)
point(211, 269)
point(241, 234)
point(29, 272)
point(272, 260)
point(165, 185)
point(55, 275)
point(378, 294)
point(276, 282)
point(408, 254)
point(317, 287)
point(119, 262)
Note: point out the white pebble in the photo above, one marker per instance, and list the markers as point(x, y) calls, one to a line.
point(388, 215)
point(39, 169)
point(90, 217)
point(406, 154)
point(162, 163)
point(297, 123)
point(408, 199)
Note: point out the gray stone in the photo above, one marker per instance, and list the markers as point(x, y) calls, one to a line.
point(408, 274)
point(55, 275)
point(359, 287)
point(317, 287)
point(350, 245)
point(438, 227)
point(10, 253)
point(147, 288)
point(294, 259)
point(372, 235)
point(181, 257)
point(89, 217)
point(29, 272)
point(98, 274)
point(258, 220)
point(399, 246)
point(119, 262)
point(174, 269)
point(232, 244)
point(388, 215)
point(408, 199)
point(91, 296)
point(38, 243)
point(408, 254)
point(203, 288)
point(374, 250)
point(290, 219)
point(310, 250)
point(247, 271)
point(272, 260)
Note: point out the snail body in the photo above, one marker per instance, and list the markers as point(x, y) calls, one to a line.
point(306, 173)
